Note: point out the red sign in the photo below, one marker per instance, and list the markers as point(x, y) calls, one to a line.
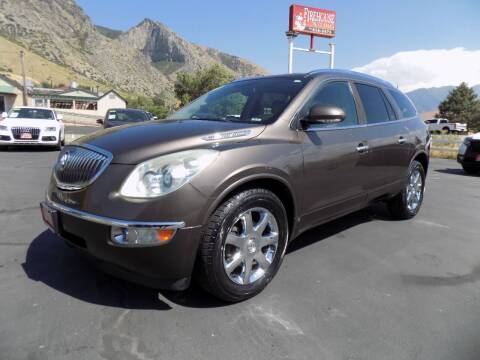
point(312, 21)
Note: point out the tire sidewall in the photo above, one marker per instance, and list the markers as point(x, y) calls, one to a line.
point(413, 166)
point(271, 203)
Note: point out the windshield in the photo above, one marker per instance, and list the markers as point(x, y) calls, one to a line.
point(252, 101)
point(40, 114)
point(126, 115)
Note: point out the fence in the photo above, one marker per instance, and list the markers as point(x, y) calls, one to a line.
point(446, 146)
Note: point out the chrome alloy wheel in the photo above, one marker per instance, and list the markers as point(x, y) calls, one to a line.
point(414, 190)
point(250, 246)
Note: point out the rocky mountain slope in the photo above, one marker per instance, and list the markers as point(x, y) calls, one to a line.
point(169, 52)
point(143, 60)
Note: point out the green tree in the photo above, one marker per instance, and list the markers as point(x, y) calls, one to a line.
point(190, 86)
point(160, 105)
point(461, 105)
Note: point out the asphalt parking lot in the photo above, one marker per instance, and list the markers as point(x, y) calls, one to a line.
point(361, 287)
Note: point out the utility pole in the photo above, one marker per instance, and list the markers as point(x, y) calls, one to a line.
point(24, 79)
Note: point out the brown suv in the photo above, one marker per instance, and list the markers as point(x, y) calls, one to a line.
point(217, 190)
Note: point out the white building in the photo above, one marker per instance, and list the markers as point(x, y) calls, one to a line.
point(75, 104)
point(77, 101)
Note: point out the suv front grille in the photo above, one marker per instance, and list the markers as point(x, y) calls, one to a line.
point(77, 167)
point(18, 131)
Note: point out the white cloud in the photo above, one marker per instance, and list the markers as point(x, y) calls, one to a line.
point(411, 70)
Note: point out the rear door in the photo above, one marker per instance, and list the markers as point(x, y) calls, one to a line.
point(388, 141)
point(332, 182)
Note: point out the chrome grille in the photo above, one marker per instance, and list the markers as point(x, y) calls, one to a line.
point(19, 130)
point(77, 167)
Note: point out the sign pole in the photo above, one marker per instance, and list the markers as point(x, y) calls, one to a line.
point(332, 55)
point(290, 37)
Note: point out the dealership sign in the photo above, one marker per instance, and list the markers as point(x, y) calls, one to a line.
point(312, 21)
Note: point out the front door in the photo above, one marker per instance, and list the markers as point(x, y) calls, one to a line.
point(333, 179)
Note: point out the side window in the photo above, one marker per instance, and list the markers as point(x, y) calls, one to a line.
point(443, 122)
point(337, 94)
point(373, 103)
point(404, 104)
point(391, 112)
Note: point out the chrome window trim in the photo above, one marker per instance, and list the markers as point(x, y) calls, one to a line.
point(310, 129)
point(73, 187)
point(114, 222)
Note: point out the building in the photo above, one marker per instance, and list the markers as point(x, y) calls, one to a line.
point(73, 103)
point(10, 93)
point(77, 101)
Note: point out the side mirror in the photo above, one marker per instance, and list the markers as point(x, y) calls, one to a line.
point(100, 121)
point(4, 115)
point(320, 114)
point(59, 117)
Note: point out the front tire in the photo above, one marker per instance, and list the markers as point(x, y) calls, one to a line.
point(59, 144)
point(408, 202)
point(243, 244)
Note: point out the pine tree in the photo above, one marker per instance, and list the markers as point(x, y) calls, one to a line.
point(461, 105)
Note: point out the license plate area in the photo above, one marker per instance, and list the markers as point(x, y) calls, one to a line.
point(50, 217)
point(25, 136)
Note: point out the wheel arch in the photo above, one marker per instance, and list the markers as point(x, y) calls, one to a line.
point(423, 159)
point(271, 182)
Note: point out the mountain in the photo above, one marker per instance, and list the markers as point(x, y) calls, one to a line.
point(110, 33)
point(426, 100)
point(143, 60)
point(170, 53)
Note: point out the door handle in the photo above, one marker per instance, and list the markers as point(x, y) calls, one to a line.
point(401, 140)
point(361, 148)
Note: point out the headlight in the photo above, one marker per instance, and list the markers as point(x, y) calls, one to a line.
point(3, 127)
point(164, 174)
point(47, 129)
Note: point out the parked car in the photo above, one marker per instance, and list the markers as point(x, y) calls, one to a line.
point(32, 126)
point(117, 117)
point(225, 183)
point(469, 154)
point(439, 125)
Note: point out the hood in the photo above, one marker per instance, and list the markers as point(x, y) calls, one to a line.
point(476, 136)
point(40, 123)
point(132, 144)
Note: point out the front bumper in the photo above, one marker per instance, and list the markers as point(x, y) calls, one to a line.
point(48, 139)
point(168, 266)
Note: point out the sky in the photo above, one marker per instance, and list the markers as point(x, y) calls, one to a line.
point(410, 43)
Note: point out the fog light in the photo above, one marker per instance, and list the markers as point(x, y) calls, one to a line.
point(140, 236)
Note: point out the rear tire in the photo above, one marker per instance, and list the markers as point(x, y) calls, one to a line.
point(236, 263)
point(407, 203)
point(446, 130)
point(470, 169)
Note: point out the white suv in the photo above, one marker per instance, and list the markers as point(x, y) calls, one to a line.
point(32, 126)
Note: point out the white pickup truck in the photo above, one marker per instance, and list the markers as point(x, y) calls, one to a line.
point(443, 125)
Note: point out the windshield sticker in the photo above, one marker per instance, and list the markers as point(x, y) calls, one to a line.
point(13, 115)
point(112, 116)
point(256, 119)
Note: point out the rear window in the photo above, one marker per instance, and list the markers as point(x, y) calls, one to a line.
point(404, 104)
point(373, 103)
point(126, 115)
